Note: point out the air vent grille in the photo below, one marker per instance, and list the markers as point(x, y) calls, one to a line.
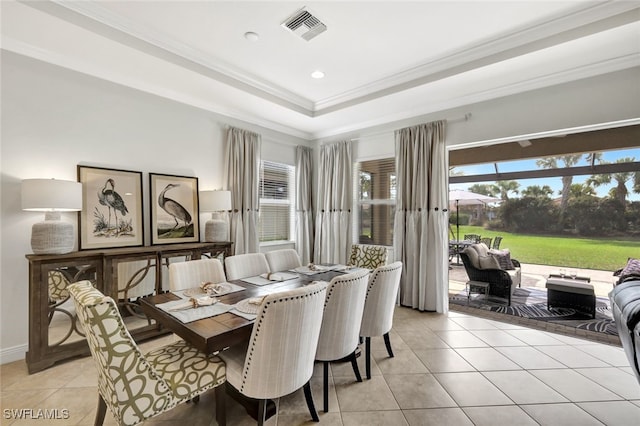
point(304, 24)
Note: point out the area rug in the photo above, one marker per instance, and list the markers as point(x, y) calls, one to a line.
point(531, 303)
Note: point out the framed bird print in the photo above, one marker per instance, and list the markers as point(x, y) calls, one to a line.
point(174, 209)
point(111, 213)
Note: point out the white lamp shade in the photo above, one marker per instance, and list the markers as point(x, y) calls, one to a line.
point(215, 201)
point(51, 195)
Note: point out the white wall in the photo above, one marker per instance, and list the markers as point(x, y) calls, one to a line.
point(54, 119)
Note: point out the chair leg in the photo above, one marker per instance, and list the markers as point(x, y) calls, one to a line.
point(262, 411)
point(102, 410)
point(367, 350)
point(221, 404)
point(387, 343)
point(309, 398)
point(325, 386)
point(354, 364)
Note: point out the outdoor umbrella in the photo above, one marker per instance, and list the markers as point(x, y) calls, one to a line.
point(467, 198)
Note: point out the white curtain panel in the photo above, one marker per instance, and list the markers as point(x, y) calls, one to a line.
point(304, 204)
point(242, 179)
point(333, 213)
point(420, 232)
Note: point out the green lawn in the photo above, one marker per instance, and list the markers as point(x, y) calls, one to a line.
point(605, 254)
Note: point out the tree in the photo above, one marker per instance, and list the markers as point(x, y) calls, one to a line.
point(582, 190)
point(485, 189)
point(552, 163)
point(537, 191)
point(620, 191)
point(507, 186)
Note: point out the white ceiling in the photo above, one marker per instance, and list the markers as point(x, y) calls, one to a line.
point(384, 61)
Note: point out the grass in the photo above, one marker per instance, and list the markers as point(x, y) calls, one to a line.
point(606, 254)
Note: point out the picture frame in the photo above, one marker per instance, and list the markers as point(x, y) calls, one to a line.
point(174, 209)
point(112, 209)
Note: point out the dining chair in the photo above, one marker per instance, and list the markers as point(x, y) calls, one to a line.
point(368, 256)
point(184, 275)
point(279, 356)
point(339, 335)
point(496, 243)
point(283, 260)
point(380, 302)
point(136, 386)
point(475, 238)
point(246, 265)
point(486, 241)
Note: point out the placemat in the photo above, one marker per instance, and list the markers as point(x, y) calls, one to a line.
point(190, 315)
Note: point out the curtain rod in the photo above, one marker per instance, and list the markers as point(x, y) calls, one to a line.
point(465, 117)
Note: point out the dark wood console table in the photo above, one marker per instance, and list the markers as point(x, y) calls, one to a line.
point(125, 274)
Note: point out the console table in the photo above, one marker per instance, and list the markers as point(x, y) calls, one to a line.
point(125, 274)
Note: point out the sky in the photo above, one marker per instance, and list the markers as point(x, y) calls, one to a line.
point(556, 182)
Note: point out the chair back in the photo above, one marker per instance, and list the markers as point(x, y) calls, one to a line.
point(368, 256)
point(486, 241)
point(283, 342)
point(246, 265)
point(472, 237)
point(340, 332)
point(283, 260)
point(130, 387)
point(380, 301)
point(184, 275)
point(496, 243)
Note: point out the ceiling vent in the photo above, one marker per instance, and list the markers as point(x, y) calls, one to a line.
point(304, 24)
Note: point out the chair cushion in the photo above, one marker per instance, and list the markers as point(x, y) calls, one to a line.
point(178, 362)
point(631, 269)
point(488, 262)
point(504, 258)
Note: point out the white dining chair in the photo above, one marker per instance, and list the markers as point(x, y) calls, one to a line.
point(379, 305)
point(283, 260)
point(279, 356)
point(246, 265)
point(136, 386)
point(184, 275)
point(339, 335)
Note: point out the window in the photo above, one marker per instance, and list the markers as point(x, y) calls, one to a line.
point(277, 202)
point(375, 192)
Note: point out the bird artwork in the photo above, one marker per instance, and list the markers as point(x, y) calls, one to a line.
point(174, 208)
point(113, 200)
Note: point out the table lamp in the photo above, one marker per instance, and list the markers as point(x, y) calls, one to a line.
point(52, 196)
point(218, 203)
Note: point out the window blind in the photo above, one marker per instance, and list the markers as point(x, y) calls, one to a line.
point(277, 202)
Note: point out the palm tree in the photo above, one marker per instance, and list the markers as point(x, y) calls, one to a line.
point(485, 189)
point(537, 191)
point(582, 190)
point(552, 163)
point(620, 191)
point(507, 186)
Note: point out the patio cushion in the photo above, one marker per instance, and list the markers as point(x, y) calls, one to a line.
point(504, 258)
point(488, 262)
point(631, 269)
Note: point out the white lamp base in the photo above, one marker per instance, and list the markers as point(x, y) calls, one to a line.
point(52, 236)
point(216, 230)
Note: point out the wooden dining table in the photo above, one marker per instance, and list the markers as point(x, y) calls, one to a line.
point(213, 334)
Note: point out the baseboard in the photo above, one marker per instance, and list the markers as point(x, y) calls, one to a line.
point(15, 353)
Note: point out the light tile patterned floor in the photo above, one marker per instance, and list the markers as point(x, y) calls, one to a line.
point(450, 369)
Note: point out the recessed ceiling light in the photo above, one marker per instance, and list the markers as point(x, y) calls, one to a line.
point(317, 74)
point(251, 36)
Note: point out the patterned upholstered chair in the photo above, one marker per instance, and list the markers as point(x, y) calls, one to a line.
point(340, 332)
point(136, 386)
point(283, 260)
point(278, 358)
point(379, 305)
point(368, 256)
point(184, 275)
point(246, 265)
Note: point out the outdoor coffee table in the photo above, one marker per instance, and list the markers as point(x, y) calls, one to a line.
point(575, 293)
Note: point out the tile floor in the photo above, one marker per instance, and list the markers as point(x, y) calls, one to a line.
point(450, 369)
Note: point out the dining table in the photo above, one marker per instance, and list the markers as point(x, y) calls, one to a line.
point(218, 332)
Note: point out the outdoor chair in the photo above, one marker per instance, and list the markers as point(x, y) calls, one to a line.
point(136, 386)
point(484, 267)
point(496, 243)
point(486, 241)
point(472, 237)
